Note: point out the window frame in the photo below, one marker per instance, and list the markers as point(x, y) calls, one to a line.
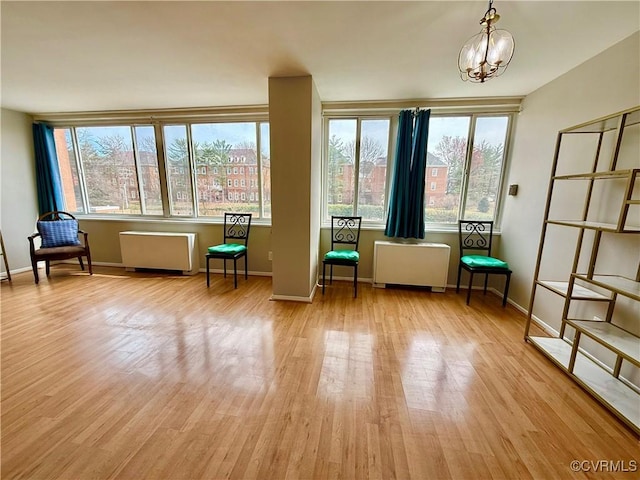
point(359, 118)
point(472, 112)
point(158, 124)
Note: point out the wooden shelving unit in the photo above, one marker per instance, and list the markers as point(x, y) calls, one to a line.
point(605, 383)
point(4, 258)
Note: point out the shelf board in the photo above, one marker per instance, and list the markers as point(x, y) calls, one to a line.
point(605, 227)
point(611, 336)
point(620, 398)
point(606, 124)
point(599, 175)
point(579, 292)
point(615, 283)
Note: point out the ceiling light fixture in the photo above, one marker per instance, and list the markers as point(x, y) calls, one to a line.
point(487, 54)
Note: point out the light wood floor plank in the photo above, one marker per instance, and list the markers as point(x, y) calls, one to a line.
point(125, 375)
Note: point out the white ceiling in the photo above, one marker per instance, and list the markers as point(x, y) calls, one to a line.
point(83, 56)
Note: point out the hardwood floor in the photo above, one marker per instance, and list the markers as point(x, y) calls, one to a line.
point(145, 375)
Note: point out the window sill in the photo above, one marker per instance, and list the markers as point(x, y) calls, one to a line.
point(166, 220)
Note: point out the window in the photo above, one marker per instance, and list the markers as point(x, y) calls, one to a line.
point(114, 169)
point(460, 182)
point(235, 142)
point(118, 173)
point(470, 179)
point(356, 167)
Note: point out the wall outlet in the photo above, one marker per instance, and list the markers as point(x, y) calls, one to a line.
point(270, 255)
point(597, 318)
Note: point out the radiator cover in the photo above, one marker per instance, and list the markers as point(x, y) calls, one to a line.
point(419, 264)
point(161, 250)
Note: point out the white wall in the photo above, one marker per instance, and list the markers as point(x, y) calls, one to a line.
point(19, 209)
point(605, 84)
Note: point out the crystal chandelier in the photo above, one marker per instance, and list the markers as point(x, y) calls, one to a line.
point(488, 53)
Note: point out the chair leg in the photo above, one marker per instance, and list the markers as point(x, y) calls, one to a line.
point(47, 267)
point(224, 263)
point(331, 274)
point(470, 284)
point(89, 263)
point(81, 263)
point(355, 282)
point(208, 281)
point(246, 268)
point(324, 274)
point(486, 280)
point(506, 290)
point(235, 273)
point(458, 282)
point(34, 266)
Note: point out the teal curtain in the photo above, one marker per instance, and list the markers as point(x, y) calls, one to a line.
point(48, 181)
point(405, 218)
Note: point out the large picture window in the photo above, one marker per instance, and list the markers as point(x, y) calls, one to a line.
point(465, 158)
point(209, 169)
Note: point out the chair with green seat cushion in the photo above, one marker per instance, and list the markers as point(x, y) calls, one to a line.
point(478, 236)
point(236, 239)
point(344, 231)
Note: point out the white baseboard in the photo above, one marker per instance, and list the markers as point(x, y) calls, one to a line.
point(291, 298)
point(14, 271)
point(346, 279)
point(200, 270)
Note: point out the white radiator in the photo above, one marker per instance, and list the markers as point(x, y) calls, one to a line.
point(420, 264)
point(161, 250)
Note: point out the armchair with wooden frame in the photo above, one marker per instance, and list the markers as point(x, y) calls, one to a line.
point(59, 233)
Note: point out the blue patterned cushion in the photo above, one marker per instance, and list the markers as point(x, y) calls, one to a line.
point(58, 233)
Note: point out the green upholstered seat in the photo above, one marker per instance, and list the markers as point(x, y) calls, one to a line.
point(345, 255)
point(227, 248)
point(482, 261)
